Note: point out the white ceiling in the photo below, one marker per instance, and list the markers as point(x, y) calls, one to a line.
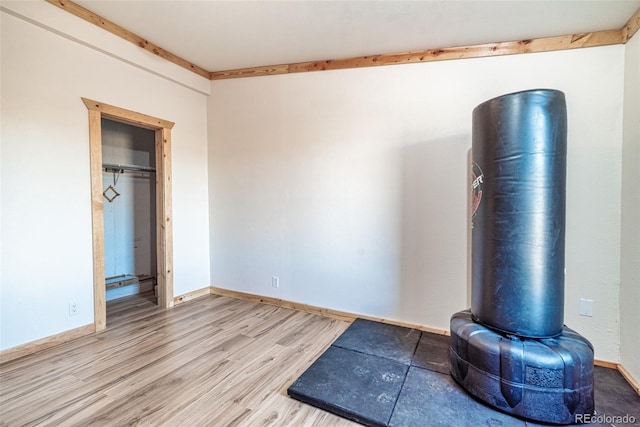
point(224, 35)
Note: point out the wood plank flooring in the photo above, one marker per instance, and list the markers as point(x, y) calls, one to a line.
point(213, 361)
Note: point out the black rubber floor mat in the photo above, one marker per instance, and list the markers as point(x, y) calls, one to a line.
point(354, 385)
point(383, 375)
point(380, 339)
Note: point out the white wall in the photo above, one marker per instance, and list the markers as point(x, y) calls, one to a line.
point(46, 213)
point(630, 248)
point(352, 185)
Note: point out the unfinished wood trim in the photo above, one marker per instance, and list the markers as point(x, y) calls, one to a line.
point(325, 312)
point(631, 27)
point(105, 24)
point(605, 364)
point(44, 343)
point(127, 116)
point(283, 303)
point(268, 70)
point(547, 44)
point(97, 221)
point(192, 295)
point(164, 229)
point(627, 376)
point(164, 218)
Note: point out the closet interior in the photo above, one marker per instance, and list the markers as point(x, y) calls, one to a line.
point(129, 199)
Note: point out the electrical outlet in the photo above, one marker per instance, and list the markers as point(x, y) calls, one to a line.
point(275, 281)
point(73, 308)
point(586, 307)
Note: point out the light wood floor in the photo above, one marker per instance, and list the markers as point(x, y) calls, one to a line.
point(213, 361)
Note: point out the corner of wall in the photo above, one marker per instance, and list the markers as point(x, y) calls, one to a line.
point(630, 212)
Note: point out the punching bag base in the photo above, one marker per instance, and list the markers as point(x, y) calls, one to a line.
point(548, 379)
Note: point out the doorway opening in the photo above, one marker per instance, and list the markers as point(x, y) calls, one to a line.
point(161, 129)
point(129, 205)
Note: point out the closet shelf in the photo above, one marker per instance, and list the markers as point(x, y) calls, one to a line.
point(127, 279)
point(122, 280)
point(116, 167)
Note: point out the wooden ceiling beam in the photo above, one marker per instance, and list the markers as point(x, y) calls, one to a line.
point(631, 27)
point(547, 44)
point(113, 28)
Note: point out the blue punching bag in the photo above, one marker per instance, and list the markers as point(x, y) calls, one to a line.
point(518, 199)
point(511, 349)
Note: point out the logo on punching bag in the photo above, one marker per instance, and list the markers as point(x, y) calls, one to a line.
point(477, 182)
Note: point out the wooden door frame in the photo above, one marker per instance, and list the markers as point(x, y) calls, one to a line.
point(164, 228)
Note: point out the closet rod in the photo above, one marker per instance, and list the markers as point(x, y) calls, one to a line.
point(112, 167)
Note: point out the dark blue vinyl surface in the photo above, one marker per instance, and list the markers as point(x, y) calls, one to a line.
point(519, 151)
point(545, 379)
